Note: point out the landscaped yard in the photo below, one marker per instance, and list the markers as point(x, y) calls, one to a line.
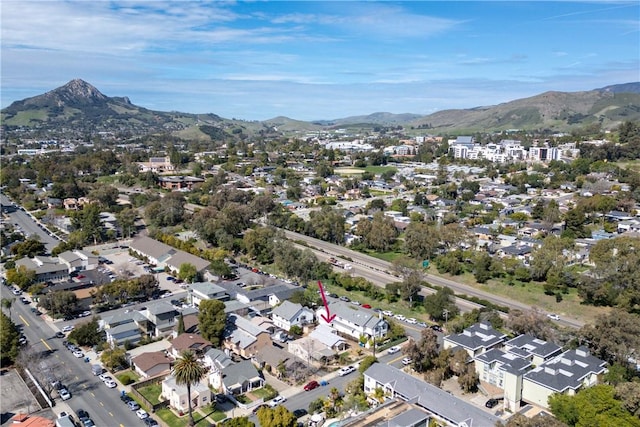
point(172, 420)
point(127, 377)
point(151, 392)
point(243, 398)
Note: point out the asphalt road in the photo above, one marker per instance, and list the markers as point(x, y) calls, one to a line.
point(29, 226)
point(88, 391)
point(379, 272)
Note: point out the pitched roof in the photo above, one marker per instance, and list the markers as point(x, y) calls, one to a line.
point(355, 314)
point(193, 342)
point(531, 345)
point(567, 370)
point(325, 334)
point(219, 358)
point(146, 361)
point(282, 291)
point(509, 362)
point(287, 310)
point(207, 288)
point(238, 373)
point(479, 335)
point(430, 397)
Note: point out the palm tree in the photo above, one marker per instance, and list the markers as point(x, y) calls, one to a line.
point(188, 371)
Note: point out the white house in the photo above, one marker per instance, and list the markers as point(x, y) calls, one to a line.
point(289, 314)
point(353, 321)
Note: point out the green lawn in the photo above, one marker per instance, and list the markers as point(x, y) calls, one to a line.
point(172, 420)
point(151, 392)
point(127, 377)
point(213, 413)
point(261, 393)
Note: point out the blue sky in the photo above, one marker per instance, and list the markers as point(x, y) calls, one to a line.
point(317, 60)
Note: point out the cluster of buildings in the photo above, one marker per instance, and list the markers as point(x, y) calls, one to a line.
point(509, 150)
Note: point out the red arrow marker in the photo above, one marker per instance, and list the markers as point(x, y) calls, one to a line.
point(328, 318)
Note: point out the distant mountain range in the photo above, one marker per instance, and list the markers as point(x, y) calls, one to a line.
point(80, 107)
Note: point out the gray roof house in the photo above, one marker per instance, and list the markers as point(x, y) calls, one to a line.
point(163, 255)
point(353, 321)
point(273, 295)
point(243, 337)
point(443, 406)
point(289, 314)
point(45, 268)
point(78, 260)
point(205, 291)
point(476, 339)
point(566, 373)
point(532, 348)
point(241, 377)
point(160, 319)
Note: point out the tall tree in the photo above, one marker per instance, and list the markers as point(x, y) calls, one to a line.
point(9, 336)
point(412, 277)
point(276, 417)
point(188, 371)
point(212, 320)
point(7, 303)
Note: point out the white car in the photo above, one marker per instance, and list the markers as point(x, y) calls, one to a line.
point(110, 384)
point(277, 400)
point(78, 354)
point(142, 414)
point(553, 316)
point(406, 361)
point(68, 328)
point(64, 394)
point(105, 377)
point(393, 349)
point(346, 370)
point(411, 320)
point(399, 317)
point(387, 313)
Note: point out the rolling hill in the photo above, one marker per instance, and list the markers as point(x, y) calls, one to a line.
point(81, 108)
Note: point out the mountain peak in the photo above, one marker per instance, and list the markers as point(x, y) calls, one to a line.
point(77, 90)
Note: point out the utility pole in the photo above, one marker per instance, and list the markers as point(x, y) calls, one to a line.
point(445, 313)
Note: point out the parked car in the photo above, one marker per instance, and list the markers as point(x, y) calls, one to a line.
point(126, 398)
point(150, 422)
point(105, 377)
point(553, 316)
point(82, 415)
point(133, 405)
point(491, 403)
point(387, 313)
point(68, 328)
point(366, 306)
point(406, 361)
point(346, 370)
point(78, 354)
point(64, 394)
point(110, 384)
point(344, 299)
point(393, 349)
point(436, 328)
point(399, 317)
point(411, 321)
point(277, 400)
point(59, 335)
point(299, 413)
point(142, 414)
point(311, 385)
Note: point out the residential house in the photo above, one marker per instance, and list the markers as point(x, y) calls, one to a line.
point(190, 342)
point(122, 328)
point(353, 321)
point(476, 339)
point(216, 360)
point(160, 319)
point(505, 371)
point(151, 364)
point(176, 394)
point(266, 297)
point(178, 182)
point(290, 314)
point(157, 165)
point(311, 349)
point(78, 260)
point(238, 378)
point(244, 338)
point(535, 350)
point(566, 373)
point(206, 291)
point(445, 408)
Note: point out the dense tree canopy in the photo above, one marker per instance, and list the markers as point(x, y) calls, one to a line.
point(212, 320)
